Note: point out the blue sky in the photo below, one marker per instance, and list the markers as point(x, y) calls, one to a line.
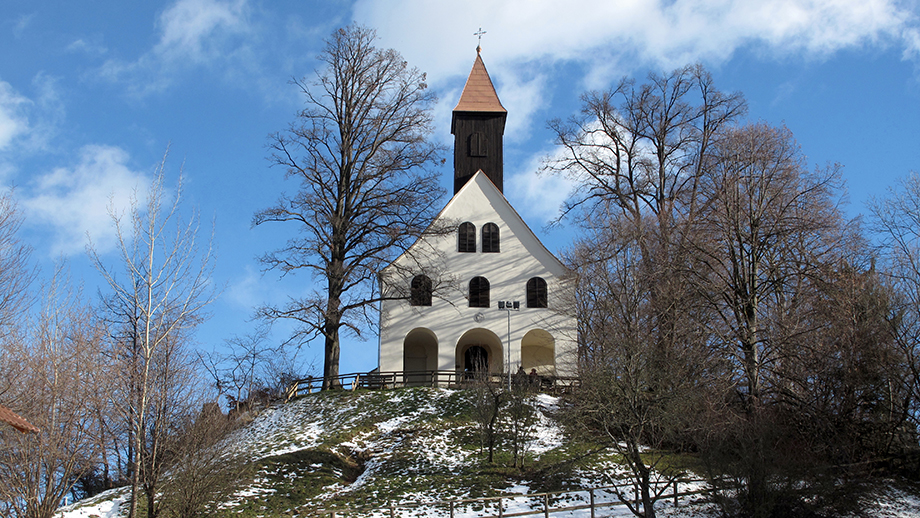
point(93, 93)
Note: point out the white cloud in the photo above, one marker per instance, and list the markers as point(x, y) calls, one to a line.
point(27, 125)
point(191, 33)
point(912, 44)
point(75, 201)
point(438, 36)
point(538, 195)
point(250, 290)
point(87, 47)
point(522, 97)
point(14, 122)
point(22, 23)
point(195, 29)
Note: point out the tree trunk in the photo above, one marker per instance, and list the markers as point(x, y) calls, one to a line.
point(331, 356)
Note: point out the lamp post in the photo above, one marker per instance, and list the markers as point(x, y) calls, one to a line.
point(509, 306)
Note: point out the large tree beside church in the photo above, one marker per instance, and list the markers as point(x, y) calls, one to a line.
point(360, 149)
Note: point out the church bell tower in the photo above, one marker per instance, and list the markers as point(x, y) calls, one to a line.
point(478, 125)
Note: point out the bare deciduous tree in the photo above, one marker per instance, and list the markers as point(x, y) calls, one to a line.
point(360, 151)
point(250, 369)
point(768, 226)
point(638, 156)
point(487, 401)
point(15, 272)
point(897, 220)
point(768, 231)
point(52, 366)
point(159, 290)
point(642, 148)
point(520, 415)
point(638, 395)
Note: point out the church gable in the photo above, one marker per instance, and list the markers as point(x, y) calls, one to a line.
point(487, 233)
point(481, 203)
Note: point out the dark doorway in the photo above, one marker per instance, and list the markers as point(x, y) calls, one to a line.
point(476, 359)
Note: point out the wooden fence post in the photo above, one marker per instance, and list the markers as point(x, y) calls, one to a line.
point(675, 492)
point(500, 510)
point(591, 495)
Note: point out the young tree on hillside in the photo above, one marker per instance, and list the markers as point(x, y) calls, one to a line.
point(487, 400)
point(360, 150)
point(205, 469)
point(159, 290)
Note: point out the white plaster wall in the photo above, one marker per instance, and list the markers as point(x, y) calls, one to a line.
point(449, 317)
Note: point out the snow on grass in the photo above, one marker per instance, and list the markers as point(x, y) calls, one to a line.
point(291, 427)
point(104, 505)
point(548, 433)
point(893, 503)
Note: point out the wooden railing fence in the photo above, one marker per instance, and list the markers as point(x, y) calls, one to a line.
point(548, 504)
point(398, 379)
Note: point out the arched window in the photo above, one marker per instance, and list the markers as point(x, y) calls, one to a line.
point(466, 238)
point(478, 144)
point(420, 291)
point(490, 240)
point(479, 292)
point(536, 293)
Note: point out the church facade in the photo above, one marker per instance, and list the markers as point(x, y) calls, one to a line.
point(480, 293)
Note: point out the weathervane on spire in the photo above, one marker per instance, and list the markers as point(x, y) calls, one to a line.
point(479, 33)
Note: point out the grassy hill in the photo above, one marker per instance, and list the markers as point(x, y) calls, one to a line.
point(363, 450)
point(346, 450)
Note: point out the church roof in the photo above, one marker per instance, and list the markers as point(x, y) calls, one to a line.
point(478, 93)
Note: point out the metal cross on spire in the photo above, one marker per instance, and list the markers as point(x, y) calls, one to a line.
point(479, 33)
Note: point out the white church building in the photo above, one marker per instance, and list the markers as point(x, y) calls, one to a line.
point(481, 292)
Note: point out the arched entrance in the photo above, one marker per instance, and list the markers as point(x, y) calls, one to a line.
point(420, 355)
point(476, 359)
point(538, 351)
point(479, 350)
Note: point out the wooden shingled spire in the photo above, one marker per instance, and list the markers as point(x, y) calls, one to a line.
point(478, 126)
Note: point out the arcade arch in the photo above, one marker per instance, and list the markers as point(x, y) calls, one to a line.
point(420, 354)
point(538, 351)
point(478, 347)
